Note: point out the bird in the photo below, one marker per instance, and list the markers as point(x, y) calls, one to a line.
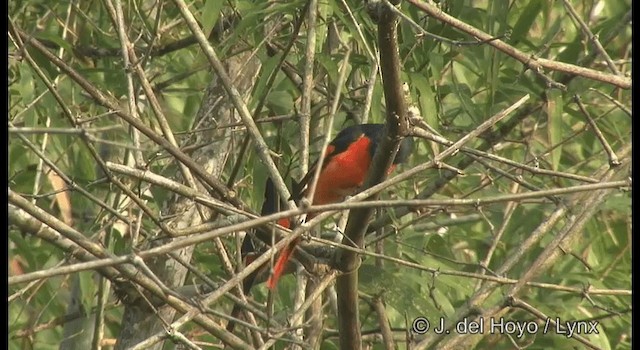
point(346, 162)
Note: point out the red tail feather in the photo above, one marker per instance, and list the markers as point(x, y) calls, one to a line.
point(281, 263)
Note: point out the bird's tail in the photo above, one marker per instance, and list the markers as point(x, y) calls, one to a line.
point(281, 263)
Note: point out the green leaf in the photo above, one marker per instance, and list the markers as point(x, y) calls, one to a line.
point(331, 64)
point(377, 110)
point(554, 107)
point(210, 15)
point(620, 202)
point(426, 98)
point(269, 64)
point(44, 63)
point(462, 88)
point(280, 102)
point(88, 289)
point(436, 63)
point(526, 20)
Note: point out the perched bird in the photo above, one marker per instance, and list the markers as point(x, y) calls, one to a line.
point(346, 162)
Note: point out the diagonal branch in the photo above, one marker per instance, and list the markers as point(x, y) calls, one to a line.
point(535, 64)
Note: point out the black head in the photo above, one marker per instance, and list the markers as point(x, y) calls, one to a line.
point(375, 133)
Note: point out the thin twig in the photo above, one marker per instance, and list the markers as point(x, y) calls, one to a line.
point(613, 158)
point(591, 37)
point(335, 103)
point(61, 131)
point(508, 214)
point(531, 169)
point(626, 110)
point(435, 36)
point(561, 328)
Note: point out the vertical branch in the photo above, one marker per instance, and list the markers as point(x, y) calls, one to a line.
point(335, 103)
point(307, 86)
point(305, 287)
point(314, 318)
point(383, 320)
point(312, 286)
point(117, 17)
point(104, 288)
point(396, 125)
